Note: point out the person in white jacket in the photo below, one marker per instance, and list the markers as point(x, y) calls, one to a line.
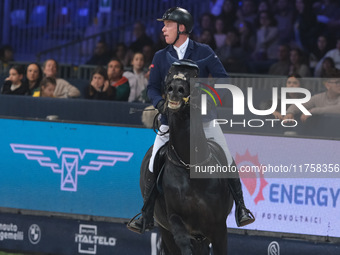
point(137, 78)
point(63, 89)
point(327, 102)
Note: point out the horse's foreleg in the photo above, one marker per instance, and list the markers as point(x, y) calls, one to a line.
point(219, 241)
point(169, 246)
point(180, 234)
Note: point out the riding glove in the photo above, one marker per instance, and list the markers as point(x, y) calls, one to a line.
point(161, 107)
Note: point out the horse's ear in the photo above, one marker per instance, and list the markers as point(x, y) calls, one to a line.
point(191, 73)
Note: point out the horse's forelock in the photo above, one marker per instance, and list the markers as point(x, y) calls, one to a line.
point(181, 73)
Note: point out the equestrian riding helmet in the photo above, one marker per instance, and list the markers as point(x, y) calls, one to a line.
point(179, 15)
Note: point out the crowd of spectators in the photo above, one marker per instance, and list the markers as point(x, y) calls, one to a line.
point(277, 37)
point(106, 82)
point(294, 34)
point(298, 38)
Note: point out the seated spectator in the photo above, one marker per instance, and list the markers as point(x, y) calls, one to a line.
point(322, 103)
point(306, 25)
point(120, 53)
point(334, 54)
point(14, 83)
point(47, 87)
point(326, 10)
point(247, 37)
point(63, 89)
point(333, 25)
point(263, 6)
point(137, 79)
point(228, 14)
point(101, 55)
point(285, 21)
point(161, 43)
point(207, 37)
point(246, 12)
point(206, 22)
point(141, 38)
point(115, 71)
point(326, 7)
point(148, 53)
point(34, 76)
point(293, 81)
point(297, 65)
point(215, 7)
point(319, 51)
point(266, 37)
point(232, 56)
point(281, 67)
point(6, 54)
point(220, 32)
point(328, 66)
point(99, 87)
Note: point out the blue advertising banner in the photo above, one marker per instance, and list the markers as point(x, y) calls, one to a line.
point(72, 168)
point(94, 170)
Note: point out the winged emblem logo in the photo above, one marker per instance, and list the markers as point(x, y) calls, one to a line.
point(70, 162)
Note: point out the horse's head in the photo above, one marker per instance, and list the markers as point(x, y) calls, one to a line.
point(178, 83)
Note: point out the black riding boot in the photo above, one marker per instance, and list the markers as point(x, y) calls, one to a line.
point(243, 216)
point(145, 221)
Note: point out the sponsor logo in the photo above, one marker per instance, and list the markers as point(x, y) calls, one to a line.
point(274, 248)
point(34, 234)
point(10, 231)
point(88, 239)
point(304, 195)
point(254, 182)
point(70, 162)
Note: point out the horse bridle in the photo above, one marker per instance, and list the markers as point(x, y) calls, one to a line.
point(182, 163)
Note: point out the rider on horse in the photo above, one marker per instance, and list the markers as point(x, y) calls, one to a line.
point(178, 23)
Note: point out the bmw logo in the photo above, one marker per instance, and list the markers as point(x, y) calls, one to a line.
point(34, 234)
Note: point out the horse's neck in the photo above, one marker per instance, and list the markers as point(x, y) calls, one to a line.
point(179, 139)
point(188, 137)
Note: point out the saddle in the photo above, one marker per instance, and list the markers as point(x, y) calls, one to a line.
point(217, 152)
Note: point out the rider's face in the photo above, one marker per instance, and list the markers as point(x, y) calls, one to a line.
point(169, 31)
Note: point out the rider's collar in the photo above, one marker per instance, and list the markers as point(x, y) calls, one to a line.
point(182, 49)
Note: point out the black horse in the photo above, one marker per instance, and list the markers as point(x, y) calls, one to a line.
point(191, 212)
